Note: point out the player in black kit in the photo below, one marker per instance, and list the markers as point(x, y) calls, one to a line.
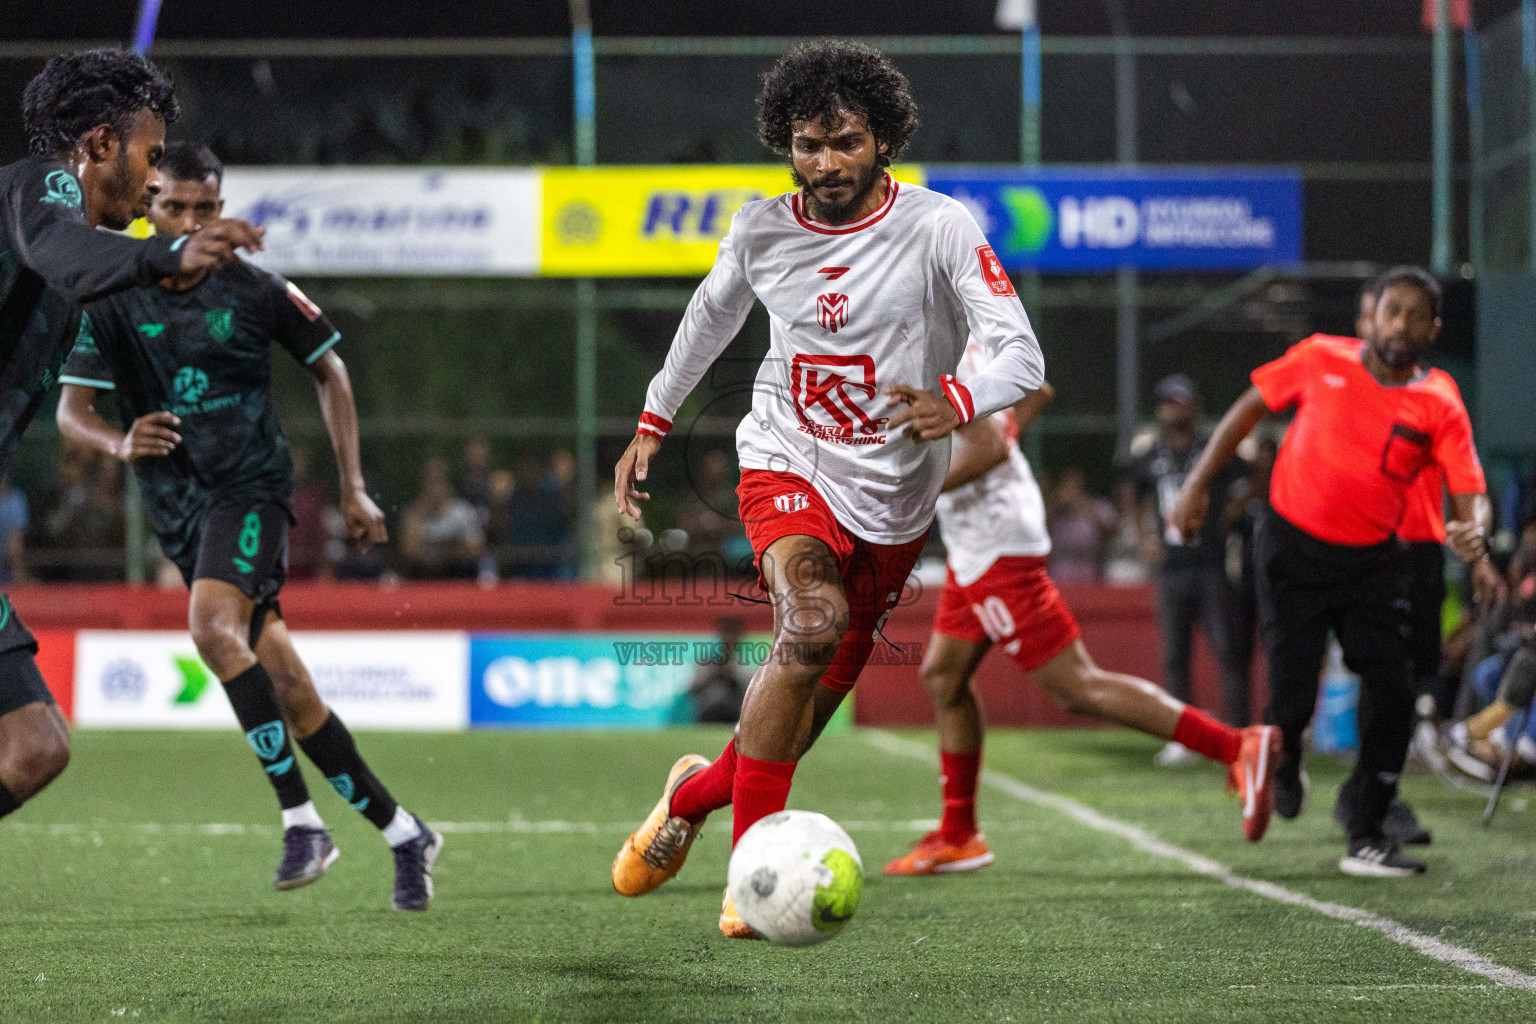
point(189, 361)
point(95, 125)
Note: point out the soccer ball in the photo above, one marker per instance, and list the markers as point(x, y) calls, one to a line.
point(795, 878)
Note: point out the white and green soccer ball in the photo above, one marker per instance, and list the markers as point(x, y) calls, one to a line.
point(795, 877)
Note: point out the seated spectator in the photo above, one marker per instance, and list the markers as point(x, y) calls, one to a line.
point(308, 538)
point(475, 481)
point(720, 684)
point(543, 520)
point(82, 526)
point(1080, 525)
point(441, 536)
point(707, 513)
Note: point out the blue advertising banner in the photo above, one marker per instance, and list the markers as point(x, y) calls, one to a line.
point(1085, 219)
point(584, 680)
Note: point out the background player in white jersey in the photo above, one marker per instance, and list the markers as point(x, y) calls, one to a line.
point(872, 289)
point(996, 591)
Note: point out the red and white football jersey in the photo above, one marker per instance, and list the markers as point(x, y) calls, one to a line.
point(887, 299)
point(999, 513)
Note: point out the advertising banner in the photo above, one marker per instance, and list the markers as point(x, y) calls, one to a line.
point(1086, 219)
point(651, 221)
point(386, 221)
point(385, 680)
point(583, 680)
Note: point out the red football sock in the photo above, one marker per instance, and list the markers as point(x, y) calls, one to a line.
point(1204, 735)
point(709, 790)
point(762, 788)
point(958, 781)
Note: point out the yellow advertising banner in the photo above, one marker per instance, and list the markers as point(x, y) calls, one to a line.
point(651, 221)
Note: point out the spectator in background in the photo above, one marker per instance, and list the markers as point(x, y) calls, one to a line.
point(1192, 579)
point(544, 519)
point(720, 684)
point(707, 512)
point(441, 536)
point(13, 531)
point(82, 525)
point(1249, 502)
point(1080, 526)
point(475, 481)
point(308, 537)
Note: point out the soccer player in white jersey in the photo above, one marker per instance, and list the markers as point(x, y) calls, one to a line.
point(872, 289)
point(996, 591)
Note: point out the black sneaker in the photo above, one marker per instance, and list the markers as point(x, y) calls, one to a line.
point(1291, 785)
point(307, 852)
point(413, 869)
point(1400, 823)
point(1403, 825)
point(1379, 858)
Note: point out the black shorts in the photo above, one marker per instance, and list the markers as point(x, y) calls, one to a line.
point(20, 681)
point(243, 543)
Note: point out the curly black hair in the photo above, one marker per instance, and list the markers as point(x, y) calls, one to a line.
point(815, 81)
point(76, 92)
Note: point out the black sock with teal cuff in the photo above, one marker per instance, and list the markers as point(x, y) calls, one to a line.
point(334, 752)
point(254, 699)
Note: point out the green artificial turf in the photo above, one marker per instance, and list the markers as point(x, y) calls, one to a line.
point(120, 903)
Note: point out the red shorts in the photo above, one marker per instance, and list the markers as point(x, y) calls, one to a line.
point(775, 505)
point(1014, 604)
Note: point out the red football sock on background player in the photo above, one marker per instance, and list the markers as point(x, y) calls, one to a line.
point(762, 788)
point(960, 772)
point(709, 790)
point(1204, 735)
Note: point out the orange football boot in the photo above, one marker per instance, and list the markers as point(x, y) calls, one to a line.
point(656, 850)
point(1252, 778)
point(935, 855)
point(731, 924)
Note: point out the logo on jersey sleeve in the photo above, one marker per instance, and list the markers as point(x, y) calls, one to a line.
point(832, 311)
point(221, 324)
point(63, 190)
point(992, 271)
point(797, 502)
point(831, 394)
point(299, 299)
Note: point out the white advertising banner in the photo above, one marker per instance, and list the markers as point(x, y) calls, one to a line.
point(394, 680)
point(384, 220)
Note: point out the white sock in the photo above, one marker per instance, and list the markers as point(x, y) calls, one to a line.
point(402, 829)
point(304, 814)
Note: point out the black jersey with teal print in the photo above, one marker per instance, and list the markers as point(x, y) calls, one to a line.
point(51, 260)
point(203, 354)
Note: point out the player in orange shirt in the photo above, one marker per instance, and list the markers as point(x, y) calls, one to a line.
point(1368, 420)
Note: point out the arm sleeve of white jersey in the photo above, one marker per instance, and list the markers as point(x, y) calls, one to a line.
point(1014, 365)
point(715, 313)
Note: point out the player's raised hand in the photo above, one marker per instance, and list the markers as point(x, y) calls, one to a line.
point(150, 434)
point(631, 471)
point(1189, 510)
point(365, 522)
point(213, 246)
point(924, 416)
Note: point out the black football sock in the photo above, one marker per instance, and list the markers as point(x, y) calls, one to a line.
point(254, 699)
point(8, 801)
point(335, 754)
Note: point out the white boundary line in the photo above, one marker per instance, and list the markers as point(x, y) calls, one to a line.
point(1148, 843)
